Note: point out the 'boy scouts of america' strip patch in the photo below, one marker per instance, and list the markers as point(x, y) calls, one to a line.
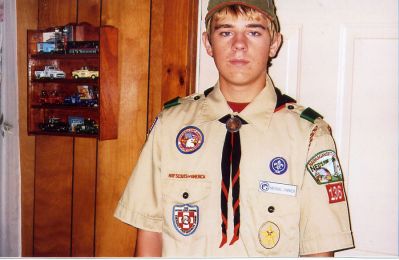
point(324, 167)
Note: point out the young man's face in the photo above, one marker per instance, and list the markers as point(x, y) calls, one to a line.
point(241, 48)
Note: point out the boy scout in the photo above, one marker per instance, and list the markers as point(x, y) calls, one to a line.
point(240, 170)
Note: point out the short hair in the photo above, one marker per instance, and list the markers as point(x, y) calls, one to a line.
point(237, 10)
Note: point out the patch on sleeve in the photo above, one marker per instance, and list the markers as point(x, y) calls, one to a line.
point(324, 167)
point(335, 192)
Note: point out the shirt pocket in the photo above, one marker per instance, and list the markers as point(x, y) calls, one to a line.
point(184, 201)
point(271, 225)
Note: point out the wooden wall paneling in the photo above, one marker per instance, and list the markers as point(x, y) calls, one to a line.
point(53, 197)
point(89, 11)
point(84, 191)
point(179, 51)
point(56, 12)
point(116, 158)
point(156, 61)
point(85, 165)
point(26, 19)
point(192, 23)
point(53, 173)
point(109, 93)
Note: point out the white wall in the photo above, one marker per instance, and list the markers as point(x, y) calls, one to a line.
point(340, 57)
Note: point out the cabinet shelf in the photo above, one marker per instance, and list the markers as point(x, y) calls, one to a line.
point(52, 56)
point(67, 80)
point(104, 88)
point(61, 134)
point(61, 106)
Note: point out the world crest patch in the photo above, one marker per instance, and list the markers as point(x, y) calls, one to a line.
point(189, 139)
point(278, 165)
point(185, 218)
point(324, 167)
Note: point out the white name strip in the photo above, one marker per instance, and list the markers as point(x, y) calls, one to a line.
point(277, 188)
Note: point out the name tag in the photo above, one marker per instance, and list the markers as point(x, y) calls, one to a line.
point(277, 188)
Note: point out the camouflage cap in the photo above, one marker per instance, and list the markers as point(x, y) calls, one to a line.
point(264, 6)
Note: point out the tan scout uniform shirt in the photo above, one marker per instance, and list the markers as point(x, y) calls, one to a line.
point(292, 200)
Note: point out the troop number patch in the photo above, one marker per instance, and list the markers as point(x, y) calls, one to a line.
point(278, 165)
point(324, 167)
point(269, 235)
point(335, 192)
point(185, 218)
point(189, 139)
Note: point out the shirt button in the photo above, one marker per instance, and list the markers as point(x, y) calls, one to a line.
point(185, 195)
point(290, 107)
point(270, 209)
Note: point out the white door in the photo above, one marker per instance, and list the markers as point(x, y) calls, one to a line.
point(340, 57)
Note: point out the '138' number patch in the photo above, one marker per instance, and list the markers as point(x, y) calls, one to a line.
point(335, 192)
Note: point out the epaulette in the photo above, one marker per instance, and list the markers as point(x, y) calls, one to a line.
point(305, 113)
point(178, 100)
point(282, 100)
point(171, 103)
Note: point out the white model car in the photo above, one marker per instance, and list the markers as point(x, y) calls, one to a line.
point(50, 72)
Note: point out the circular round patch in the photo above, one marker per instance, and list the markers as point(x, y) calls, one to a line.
point(278, 165)
point(269, 235)
point(189, 139)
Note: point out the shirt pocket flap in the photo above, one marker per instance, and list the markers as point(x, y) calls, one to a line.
point(184, 191)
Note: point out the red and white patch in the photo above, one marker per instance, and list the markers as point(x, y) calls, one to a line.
point(335, 192)
point(185, 218)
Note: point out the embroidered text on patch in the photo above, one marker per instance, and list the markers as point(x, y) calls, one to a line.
point(277, 188)
point(186, 176)
point(324, 167)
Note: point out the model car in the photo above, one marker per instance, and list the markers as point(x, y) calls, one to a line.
point(54, 124)
point(88, 127)
point(84, 72)
point(50, 98)
point(50, 72)
point(72, 100)
point(82, 47)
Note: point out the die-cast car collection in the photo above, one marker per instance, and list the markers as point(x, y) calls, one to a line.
point(58, 42)
point(78, 125)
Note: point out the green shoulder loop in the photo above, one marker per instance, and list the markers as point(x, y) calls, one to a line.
point(310, 115)
point(172, 103)
point(305, 113)
point(178, 100)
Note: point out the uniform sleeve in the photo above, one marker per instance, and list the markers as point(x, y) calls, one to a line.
point(140, 204)
point(325, 224)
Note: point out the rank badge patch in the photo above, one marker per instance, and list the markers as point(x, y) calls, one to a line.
point(189, 139)
point(278, 165)
point(269, 235)
point(335, 192)
point(324, 167)
point(185, 218)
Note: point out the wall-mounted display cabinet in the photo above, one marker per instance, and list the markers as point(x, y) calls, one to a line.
point(73, 81)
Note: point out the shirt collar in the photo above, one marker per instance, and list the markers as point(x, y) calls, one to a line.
point(258, 113)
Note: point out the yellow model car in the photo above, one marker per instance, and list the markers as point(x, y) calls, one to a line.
point(84, 72)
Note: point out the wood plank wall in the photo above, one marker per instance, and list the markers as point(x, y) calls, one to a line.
point(70, 186)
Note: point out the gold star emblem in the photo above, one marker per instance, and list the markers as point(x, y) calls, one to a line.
point(269, 235)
